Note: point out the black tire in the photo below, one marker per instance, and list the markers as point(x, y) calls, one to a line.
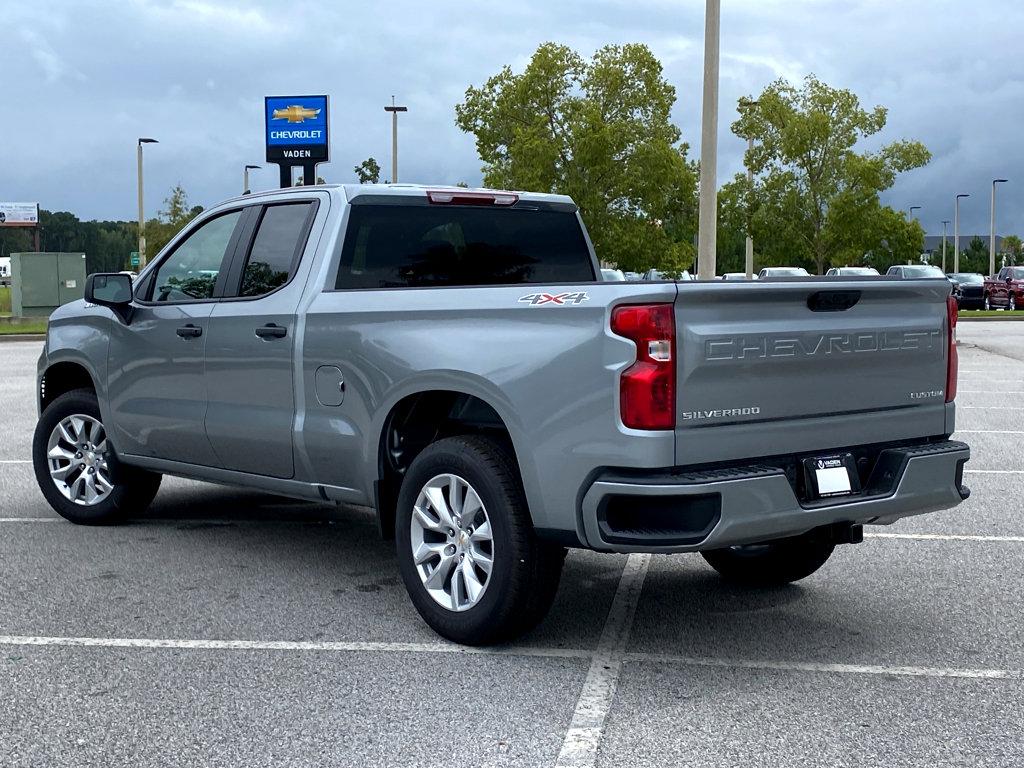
point(773, 563)
point(133, 490)
point(525, 571)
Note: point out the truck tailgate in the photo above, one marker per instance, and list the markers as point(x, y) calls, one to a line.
point(800, 366)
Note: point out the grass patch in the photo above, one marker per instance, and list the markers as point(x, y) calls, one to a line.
point(5, 300)
point(991, 314)
point(32, 326)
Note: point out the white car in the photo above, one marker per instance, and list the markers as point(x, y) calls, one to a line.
point(737, 276)
point(613, 276)
point(853, 271)
point(783, 272)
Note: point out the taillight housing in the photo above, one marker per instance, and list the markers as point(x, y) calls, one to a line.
point(953, 361)
point(647, 389)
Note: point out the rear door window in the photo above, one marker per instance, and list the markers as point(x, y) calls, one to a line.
point(276, 248)
point(388, 246)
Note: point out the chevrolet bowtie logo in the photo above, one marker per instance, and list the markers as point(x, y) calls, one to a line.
point(295, 113)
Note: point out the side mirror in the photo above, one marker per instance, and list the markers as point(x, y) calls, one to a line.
point(109, 289)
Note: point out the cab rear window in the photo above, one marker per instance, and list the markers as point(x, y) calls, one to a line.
point(388, 246)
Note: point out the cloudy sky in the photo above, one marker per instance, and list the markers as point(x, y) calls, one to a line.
point(82, 80)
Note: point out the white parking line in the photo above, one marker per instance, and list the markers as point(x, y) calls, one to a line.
point(989, 392)
point(827, 667)
point(15, 461)
point(950, 537)
point(991, 408)
point(588, 720)
point(990, 432)
point(306, 646)
point(995, 472)
point(30, 520)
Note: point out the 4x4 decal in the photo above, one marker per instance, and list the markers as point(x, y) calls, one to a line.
point(576, 297)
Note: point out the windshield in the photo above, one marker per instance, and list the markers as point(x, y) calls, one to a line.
point(967, 277)
point(1017, 273)
point(858, 271)
point(924, 271)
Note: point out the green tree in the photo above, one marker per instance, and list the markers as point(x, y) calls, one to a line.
point(368, 171)
point(171, 219)
point(598, 130)
point(1013, 248)
point(974, 258)
point(818, 196)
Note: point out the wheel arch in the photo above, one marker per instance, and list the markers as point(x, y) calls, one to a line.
point(63, 376)
point(418, 417)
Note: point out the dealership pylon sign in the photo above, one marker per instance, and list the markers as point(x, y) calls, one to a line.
point(297, 134)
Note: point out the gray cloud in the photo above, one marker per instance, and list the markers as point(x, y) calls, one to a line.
point(82, 81)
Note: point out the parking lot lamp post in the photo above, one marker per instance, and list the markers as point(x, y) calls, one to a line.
point(142, 219)
point(707, 216)
point(394, 137)
point(245, 182)
point(749, 250)
point(912, 210)
point(944, 223)
point(956, 231)
point(992, 229)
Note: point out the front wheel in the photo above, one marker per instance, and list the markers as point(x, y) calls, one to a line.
point(76, 468)
point(466, 548)
point(776, 562)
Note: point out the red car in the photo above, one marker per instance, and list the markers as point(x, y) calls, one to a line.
point(1006, 289)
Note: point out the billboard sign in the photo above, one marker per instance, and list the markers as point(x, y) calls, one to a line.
point(19, 214)
point(296, 129)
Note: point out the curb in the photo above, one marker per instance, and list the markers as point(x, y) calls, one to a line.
point(22, 338)
point(988, 318)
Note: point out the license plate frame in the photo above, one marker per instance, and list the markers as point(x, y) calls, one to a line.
point(830, 476)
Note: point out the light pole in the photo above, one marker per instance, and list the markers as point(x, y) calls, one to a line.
point(142, 219)
point(708, 207)
point(748, 261)
point(394, 137)
point(944, 223)
point(245, 178)
point(992, 229)
point(913, 209)
point(956, 232)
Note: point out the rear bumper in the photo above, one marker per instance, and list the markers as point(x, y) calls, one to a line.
point(707, 509)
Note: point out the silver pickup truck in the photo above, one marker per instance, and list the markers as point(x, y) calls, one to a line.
point(452, 359)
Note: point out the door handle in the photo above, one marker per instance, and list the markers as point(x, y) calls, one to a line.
point(189, 331)
point(271, 331)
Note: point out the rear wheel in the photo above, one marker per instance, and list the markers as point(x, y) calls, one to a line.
point(776, 562)
point(76, 468)
point(466, 548)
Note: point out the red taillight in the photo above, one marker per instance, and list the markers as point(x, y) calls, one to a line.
point(953, 364)
point(647, 389)
point(455, 198)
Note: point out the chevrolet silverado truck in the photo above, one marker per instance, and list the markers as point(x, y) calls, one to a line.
point(452, 359)
point(1006, 289)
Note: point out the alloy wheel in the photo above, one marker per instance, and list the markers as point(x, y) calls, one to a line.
point(452, 543)
point(76, 456)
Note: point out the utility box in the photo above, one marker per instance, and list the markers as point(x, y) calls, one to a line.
point(42, 282)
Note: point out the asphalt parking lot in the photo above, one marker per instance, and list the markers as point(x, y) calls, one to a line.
point(228, 627)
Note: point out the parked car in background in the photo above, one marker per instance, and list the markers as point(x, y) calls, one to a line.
point(1004, 290)
point(783, 272)
point(633, 275)
point(915, 271)
point(614, 276)
point(968, 288)
point(737, 276)
point(853, 272)
point(661, 275)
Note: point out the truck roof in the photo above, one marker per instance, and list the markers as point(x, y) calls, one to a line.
point(352, 191)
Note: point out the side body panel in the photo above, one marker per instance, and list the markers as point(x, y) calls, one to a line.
point(549, 371)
